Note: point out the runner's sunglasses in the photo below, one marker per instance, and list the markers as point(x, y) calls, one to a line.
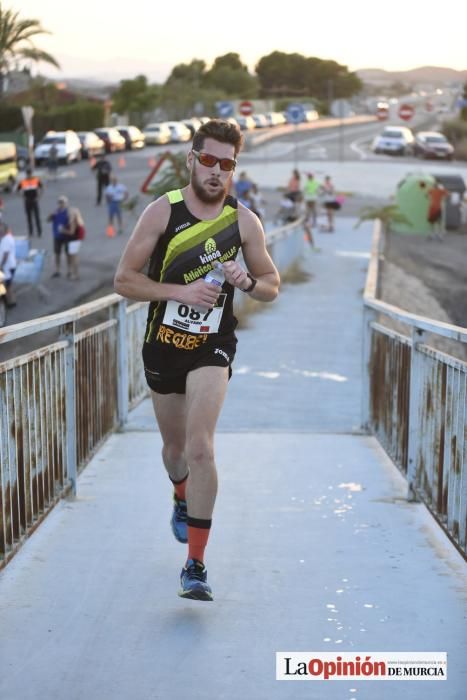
point(210, 161)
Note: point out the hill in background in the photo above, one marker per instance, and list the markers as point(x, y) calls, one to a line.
point(434, 75)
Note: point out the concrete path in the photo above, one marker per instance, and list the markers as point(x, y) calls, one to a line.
point(313, 548)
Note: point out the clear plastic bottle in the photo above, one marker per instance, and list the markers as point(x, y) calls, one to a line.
point(216, 275)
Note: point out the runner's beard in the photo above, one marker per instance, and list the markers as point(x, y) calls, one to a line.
point(203, 194)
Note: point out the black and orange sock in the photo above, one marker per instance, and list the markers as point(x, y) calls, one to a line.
point(180, 488)
point(198, 535)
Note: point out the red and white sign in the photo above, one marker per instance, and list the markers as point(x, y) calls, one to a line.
point(406, 112)
point(245, 108)
point(382, 113)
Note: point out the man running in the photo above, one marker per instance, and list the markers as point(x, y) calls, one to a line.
point(190, 340)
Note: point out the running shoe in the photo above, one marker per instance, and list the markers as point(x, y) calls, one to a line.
point(193, 581)
point(178, 520)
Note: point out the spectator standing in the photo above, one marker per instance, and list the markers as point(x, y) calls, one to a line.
point(7, 260)
point(103, 169)
point(328, 193)
point(294, 186)
point(52, 161)
point(436, 197)
point(31, 187)
point(311, 190)
point(61, 219)
point(76, 234)
point(115, 194)
point(242, 189)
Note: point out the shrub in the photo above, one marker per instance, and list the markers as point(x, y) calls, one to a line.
point(455, 130)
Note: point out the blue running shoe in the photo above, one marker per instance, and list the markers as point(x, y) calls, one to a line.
point(178, 520)
point(193, 581)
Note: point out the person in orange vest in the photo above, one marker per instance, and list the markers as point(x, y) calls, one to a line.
point(436, 195)
point(31, 187)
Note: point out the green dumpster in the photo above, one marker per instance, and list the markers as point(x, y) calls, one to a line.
point(412, 202)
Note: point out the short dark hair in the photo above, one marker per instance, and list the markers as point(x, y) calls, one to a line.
point(219, 130)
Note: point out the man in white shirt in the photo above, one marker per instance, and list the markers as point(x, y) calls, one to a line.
point(7, 259)
point(115, 194)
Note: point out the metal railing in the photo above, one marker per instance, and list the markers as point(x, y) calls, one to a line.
point(60, 401)
point(414, 401)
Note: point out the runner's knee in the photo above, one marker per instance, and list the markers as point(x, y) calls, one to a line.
point(173, 453)
point(199, 452)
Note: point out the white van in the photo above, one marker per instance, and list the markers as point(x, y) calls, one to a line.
point(67, 143)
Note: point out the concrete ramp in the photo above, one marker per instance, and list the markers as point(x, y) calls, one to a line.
point(313, 547)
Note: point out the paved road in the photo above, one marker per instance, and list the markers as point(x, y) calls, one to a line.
point(314, 547)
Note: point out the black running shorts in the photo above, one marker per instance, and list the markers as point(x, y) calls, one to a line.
point(166, 373)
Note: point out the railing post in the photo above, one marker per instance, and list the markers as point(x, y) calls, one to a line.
point(416, 379)
point(369, 315)
point(67, 333)
point(122, 363)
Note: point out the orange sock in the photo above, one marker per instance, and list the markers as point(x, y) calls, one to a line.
point(180, 488)
point(198, 535)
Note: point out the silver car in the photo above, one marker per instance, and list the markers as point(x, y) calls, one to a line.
point(157, 133)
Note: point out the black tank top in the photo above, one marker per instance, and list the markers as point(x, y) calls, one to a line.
point(187, 251)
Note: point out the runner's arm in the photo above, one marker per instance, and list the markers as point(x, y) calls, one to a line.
point(257, 260)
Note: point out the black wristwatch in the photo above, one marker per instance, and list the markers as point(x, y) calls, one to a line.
point(252, 284)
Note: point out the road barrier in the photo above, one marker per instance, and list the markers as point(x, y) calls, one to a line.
point(59, 402)
point(414, 401)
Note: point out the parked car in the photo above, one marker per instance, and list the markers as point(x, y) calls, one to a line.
point(8, 167)
point(395, 140)
point(260, 120)
point(112, 139)
point(157, 133)
point(246, 123)
point(311, 115)
point(432, 144)
point(275, 118)
point(134, 137)
point(91, 144)
point(67, 143)
point(180, 132)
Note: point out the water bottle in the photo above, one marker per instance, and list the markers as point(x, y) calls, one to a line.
point(216, 275)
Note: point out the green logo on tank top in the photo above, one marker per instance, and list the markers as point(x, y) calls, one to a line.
point(210, 246)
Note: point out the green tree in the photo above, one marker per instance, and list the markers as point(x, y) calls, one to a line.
point(16, 45)
point(135, 97)
point(293, 74)
point(229, 75)
point(193, 73)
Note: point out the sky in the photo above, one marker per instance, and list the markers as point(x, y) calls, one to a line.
point(95, 39)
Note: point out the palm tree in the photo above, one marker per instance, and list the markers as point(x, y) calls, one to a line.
point(16, 43)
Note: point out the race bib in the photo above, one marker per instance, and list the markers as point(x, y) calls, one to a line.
point(194, 319)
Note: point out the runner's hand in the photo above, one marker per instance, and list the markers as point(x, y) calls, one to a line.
point(200, 293)
point(235, 274)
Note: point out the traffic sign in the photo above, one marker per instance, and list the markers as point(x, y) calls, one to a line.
point(429, 106)
point(382, 113)
point(295, 113)
point(245, 108)
point(225, 109)
point(406, 112)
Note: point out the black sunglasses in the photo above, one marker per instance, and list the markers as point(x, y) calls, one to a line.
point(210, 161)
